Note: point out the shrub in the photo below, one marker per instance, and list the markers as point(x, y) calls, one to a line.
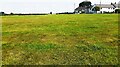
point(117, 11)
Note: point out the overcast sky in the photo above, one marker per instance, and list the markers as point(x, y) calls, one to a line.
point(43, 6)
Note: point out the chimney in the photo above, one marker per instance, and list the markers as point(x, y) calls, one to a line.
point(113, 5)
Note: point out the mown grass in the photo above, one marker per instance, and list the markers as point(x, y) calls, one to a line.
point(85, 39)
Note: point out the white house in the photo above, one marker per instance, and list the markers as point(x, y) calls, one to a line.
point(107, 7)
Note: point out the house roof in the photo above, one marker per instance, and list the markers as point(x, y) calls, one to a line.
point(81, 8)
point(105, 5)
point(116, 5)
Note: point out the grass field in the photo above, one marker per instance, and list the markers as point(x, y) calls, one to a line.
point(81, 39)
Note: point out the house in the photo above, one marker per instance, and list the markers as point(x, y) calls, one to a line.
point(103, 8)
point(107, 7)
point(83, 10)
point(84, 7)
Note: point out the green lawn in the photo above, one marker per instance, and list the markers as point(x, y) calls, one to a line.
point(60, 39)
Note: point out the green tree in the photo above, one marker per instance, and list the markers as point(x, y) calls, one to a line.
point(85, 4)
point(117, 11)
point(11, 13)
point(50, 12)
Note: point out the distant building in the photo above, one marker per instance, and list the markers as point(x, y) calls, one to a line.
point(83, 9)
point(103, 8)
point(107, 7)
point(2, 13)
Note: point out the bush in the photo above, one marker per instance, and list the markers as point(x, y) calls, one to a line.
point(117, 11)
point(105, 12)
point(96, 8)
